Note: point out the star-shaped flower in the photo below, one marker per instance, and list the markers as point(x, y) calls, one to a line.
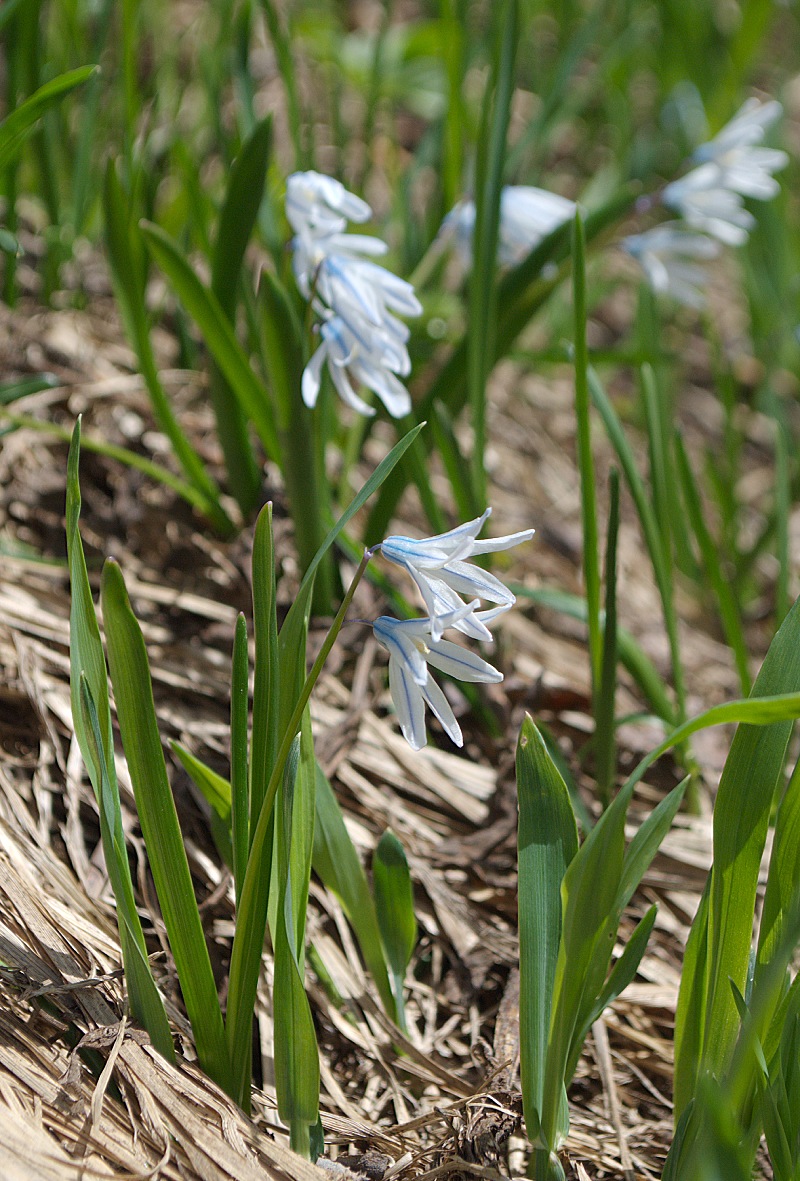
point(438, 566)
point(412, 648)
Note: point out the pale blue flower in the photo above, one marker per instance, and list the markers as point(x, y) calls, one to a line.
point(527, 215)
point(359, 301)
point(438, 566)
point(321, 204)
point(669, 256)
point(730, 167)
point(371, 363)
point(412, 647)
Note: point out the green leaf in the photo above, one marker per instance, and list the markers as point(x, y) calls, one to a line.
point(203, 306)
point(239, 212)
point(267, 679)
point(215, 788)
point(491, 154)
point(91, 714)
point(394, 907)
point(339, 867)
point(729, 611)
point(16, 128)
point(129, 273)
point(237, 219)
point(296, 1052)
point(547, 841)
point(133, 693)
point(240, 767)
point(741, 816)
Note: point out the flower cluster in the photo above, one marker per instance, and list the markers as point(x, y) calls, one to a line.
point(730, 167)
point(710, 200)
point(439, 567)
point(527, 215)
point(362, 340)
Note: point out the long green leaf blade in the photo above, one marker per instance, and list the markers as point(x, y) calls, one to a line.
point(133, 692)
point(91, 713)
point(547, 841)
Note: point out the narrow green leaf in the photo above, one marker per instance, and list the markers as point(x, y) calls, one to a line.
point(296, 1052)
point(267, 680)
point(204, 308)
point(650, 528)
point(215, 788)
point(237, 219)
point(240, 770)
point(129, 273)
point(730, 614)
point(394, 908)
point(91, 714)
point(741, 815)
point(488, 185)
point(339, 867)
point(605, 736)
point(591, 559)
point(239, 213)
point(547, 842)
point(16, 128)
point(620, 975)
point(133, 692)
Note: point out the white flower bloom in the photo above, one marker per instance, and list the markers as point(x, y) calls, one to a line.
point(527, 215)
point(730, 167)
point(669, 255)
point(438, 566)
point(412, 647)
point(321, 204)
point(703, 202)
point(369, 363)
point(747, 169)
point(358, 300)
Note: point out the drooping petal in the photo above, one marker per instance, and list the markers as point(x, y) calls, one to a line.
point(460, 663)
point(408, 703)
point(440, 706)
point(312, 375)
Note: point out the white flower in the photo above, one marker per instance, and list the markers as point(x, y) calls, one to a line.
point(358, 300)
point(527, 215)
point(747, 169)
point(438, 566)
point(321, 204)
point(668, 255)
point(412, 647)
point(368, 362)
point(704, 202)
point(730, 168)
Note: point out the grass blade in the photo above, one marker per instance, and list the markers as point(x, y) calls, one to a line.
point(133, 692)
point(488, 185)
point(128, 270)
point(92, 720)
point(237, 219)
point(394, 908)
point(204, 308)
point(337, 864)
point(726, 600)
point(240, 771)
point(17, 126)
point(547, 841)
